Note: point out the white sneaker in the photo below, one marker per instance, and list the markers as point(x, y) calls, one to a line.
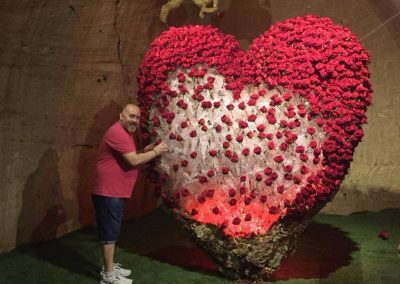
point(122, 271)
point(114, 278)
point(119, 270)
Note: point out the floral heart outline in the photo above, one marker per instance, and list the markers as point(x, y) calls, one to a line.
point(308, 56)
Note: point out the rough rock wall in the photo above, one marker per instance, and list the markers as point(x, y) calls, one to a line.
point(66, 67)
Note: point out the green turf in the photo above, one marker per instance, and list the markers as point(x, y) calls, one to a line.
point(334, 249)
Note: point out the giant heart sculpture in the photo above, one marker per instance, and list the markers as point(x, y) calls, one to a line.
point(259, 140)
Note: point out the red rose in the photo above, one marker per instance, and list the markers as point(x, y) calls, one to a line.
point(246, 151)
point(242, 124)
point(175, 167)
point(185, 192)
point(384, 235)
point(252, 117)
point(252, 102)
point(280, 189)
point(239, 139)
point(286, 96)
point(310, 130)
point(278, 159)
point(234, 158)
point(232, 202)
point(198, 97)
point(273, 210)
point(291, 114)
point(257, 150)
point(215, 210)
point(263, 198)
point(271, 119)
point(208, 86)
point(206, 104)
point(283, 146)
point(303, 157)
point(193, 133)
point(225, 170)
point(213, 153)
point(242, 190)
point(202, 179)
point(184, 163)
point(218, 128)
point(232, 192)
point(283, 123)
point(228, 153)
point(296, 179)
point(210, 173)
point(288, 176)
point(228, 137)
point(268, 171)
point(247, 217)
point(268, 181)
point(210, 193)
point(230, 107)
point(184, 124)
point(253, 194)
point(288, 168)
point(261, 127)
point(225, 119)
point(225, 144)
point(224, 225)
point(271, 145)
point(182, 89)
point(194, 212)
point(242, 105)
point(304, 170)
point(236, 221)
point(201, 199)
point(193, 155)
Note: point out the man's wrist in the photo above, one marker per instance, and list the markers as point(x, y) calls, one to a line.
point(155, 152)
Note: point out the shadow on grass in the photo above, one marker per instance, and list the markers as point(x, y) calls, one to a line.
point(321, 250)
point(62, 255)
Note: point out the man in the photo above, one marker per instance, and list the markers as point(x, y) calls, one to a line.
point(116, 175)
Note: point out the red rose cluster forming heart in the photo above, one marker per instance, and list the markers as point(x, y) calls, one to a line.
point(256, 135)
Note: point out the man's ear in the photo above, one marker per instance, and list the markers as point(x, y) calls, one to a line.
point(120, 116)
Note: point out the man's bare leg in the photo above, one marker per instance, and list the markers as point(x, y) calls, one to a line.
point(108, 255)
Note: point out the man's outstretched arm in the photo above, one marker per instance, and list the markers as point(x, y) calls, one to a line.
point(136, 159)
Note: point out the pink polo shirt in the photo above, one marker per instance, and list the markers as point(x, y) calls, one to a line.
point(114, 176)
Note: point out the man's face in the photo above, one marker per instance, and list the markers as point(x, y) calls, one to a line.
point(130, 118)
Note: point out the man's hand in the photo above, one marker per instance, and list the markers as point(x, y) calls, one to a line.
point(149, 147)
point(161, 148)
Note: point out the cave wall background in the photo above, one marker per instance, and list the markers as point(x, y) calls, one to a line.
point(66, 68)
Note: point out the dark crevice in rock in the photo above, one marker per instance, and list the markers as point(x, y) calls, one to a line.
point(123, 66)
point(82, 145)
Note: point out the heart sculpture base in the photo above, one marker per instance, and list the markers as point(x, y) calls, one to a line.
point(248, 258)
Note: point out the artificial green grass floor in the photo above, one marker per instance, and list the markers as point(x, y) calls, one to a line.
point(334, 249)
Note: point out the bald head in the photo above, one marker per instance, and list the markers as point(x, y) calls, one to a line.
point(130, 117)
